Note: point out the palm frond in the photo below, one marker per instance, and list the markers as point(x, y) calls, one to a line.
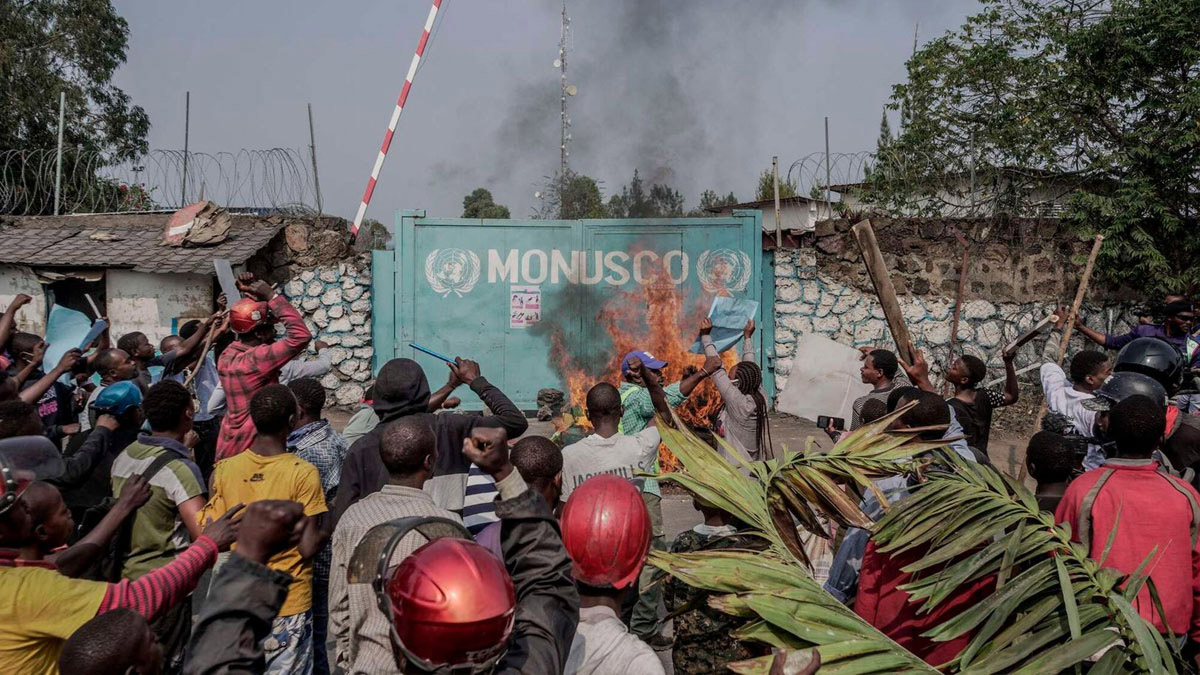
point(1055, 608)
point(773, 589)
point(1052, 607)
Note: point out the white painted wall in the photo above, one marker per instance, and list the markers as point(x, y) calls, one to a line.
point(16, 279)
point(802, 216)
point(150, 302)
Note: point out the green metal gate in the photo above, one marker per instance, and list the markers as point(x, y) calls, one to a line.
point(515, 295)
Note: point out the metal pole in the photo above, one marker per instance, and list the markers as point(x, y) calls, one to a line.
point(62, 119)
point(828, 203)
point(562, 113)
point(778, 220)
point(312, 141)
point(187, 114)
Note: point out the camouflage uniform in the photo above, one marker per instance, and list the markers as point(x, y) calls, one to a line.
point(703, 641)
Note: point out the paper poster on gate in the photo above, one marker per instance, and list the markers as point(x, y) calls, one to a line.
point(525, 306)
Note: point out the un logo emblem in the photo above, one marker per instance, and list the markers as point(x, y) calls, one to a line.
point(724, 269)
point(452, 270)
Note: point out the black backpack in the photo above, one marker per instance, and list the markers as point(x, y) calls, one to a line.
point(110, 565)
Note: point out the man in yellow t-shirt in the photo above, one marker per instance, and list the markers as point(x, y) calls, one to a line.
point(267, 470)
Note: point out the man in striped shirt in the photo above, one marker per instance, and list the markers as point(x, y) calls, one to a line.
point(408, 448)
point(168, 521)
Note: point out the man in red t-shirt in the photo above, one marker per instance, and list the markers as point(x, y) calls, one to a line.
point(1152, 512)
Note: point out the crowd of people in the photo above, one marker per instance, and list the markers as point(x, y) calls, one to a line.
point(188, 509)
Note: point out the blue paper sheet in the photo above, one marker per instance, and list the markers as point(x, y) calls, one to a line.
point(65, 329)
point(729, 317)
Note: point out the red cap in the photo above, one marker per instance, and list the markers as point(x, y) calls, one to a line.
point(606, 529)
point(453, 604)
point(248, 314)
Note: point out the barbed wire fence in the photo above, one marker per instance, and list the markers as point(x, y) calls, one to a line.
point(931, 186)
point(275, 179)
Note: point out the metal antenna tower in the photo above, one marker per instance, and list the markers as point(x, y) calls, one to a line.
point(566, 90)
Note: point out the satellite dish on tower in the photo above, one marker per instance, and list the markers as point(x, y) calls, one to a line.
point(572, 90)
point(558, 63)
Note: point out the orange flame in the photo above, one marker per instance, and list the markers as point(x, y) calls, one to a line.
point(652, 318)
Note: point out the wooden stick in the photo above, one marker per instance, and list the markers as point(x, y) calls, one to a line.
point(884, 290)
point(1028, 335)
point(1065, 340)
point(958, 299)
point(208, 340)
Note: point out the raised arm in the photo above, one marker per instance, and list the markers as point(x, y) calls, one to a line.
point(318, 367)
point(9, 318)
point(296, 334)
point(505, 413)
point(918, 370)
point(33, 392)
point(1012, 389)
point(688, 384)
point(78, 466)
point(189, 346)
point(547, 602)
point(166, 586)
point(437, 398)
point(35, 362)
point(75, 560)
point(658, 397)
point(748, 342)
point(720, 378)
point(1109, 341)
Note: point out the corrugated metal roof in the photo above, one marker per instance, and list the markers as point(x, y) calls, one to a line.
point(124, 241)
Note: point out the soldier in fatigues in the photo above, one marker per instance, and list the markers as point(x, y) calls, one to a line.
point(703, 635)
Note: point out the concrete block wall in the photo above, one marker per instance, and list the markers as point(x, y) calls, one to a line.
point(808, 302)
point(335, 300)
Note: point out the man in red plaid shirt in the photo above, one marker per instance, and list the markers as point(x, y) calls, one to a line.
point(255, 359)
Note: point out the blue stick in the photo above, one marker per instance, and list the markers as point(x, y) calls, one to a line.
point(431, 353)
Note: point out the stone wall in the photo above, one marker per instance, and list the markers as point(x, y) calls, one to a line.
point(314, 262)
point(336, 303)
point(823, 288)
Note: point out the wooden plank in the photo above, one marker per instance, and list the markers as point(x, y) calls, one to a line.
point(1065, 340)
point(864, 234)
point(1024, 338)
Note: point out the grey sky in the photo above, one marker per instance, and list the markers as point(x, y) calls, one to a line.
point(700, 92)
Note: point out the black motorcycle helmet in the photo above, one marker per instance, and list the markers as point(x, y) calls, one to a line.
point(1157, 358)
point(1123, 385)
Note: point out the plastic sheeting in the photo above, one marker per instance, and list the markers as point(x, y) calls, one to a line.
point(824, 380)
point(729, 317)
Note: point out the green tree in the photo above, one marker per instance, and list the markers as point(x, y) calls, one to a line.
point(572, 197)
point(766, 187)
point(1095, 101)
point(52, 46)
point(634, 201)
point(710, 199)
point(374, 236)
point(479, 204)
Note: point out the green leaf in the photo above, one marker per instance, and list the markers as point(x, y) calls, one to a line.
point(1075, 651)
point(1068, 595)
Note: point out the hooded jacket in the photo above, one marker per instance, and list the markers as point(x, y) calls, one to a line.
point(401, 389)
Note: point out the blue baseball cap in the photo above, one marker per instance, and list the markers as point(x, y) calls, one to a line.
point(647, 358)
point(118, 397)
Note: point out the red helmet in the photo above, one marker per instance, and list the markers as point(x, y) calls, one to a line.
point(451, 602)
point(606, 529)
point(248, 314)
